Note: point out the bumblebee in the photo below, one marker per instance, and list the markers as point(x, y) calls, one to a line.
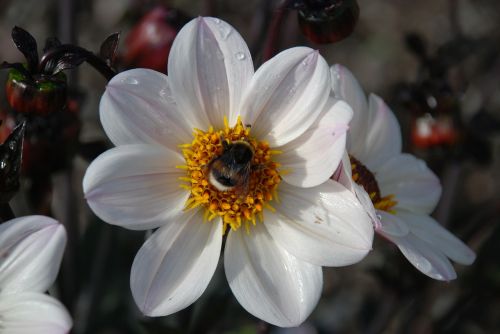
point(231, 170)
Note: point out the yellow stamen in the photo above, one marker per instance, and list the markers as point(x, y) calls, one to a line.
point(236, 207)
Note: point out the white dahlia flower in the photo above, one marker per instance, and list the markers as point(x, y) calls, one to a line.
point(397, 190)
point(31, 249)
point(213, 150)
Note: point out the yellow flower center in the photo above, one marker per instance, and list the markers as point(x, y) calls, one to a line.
point(250, 185)
point(365, 178)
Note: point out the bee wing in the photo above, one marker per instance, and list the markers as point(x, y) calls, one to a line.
point(243, 186)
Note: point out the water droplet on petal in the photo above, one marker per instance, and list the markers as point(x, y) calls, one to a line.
point(130, 81)
point(240, 56)
point(217, 21)
point(225, 31)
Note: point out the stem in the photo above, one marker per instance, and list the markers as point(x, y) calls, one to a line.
point(65, 210)
point(6, 213)
point(93, 60)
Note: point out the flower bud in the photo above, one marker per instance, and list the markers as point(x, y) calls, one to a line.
point(148, 43)
point(40, 94)
point(327, 21)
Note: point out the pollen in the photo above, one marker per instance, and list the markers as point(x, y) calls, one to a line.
point(365, 178)
point(242, 206)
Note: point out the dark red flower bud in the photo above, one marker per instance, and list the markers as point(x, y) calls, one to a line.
point(327, 21)
point(148, 44)
point(37, 94)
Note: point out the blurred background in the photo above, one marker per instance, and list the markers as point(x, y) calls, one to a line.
point(436, 63)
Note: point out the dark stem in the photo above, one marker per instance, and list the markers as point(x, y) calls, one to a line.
point(93, 60)
point(6, 213)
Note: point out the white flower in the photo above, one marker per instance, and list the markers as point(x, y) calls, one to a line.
point(31, 249)
point(398, 190)
point(169, 129)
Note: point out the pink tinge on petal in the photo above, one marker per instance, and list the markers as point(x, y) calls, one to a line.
point(426, 228)
point(175, 265)
point(209, 68)
point(138, 107)
point(32, 312)
point(324, 225)
point(286, 95)
point(31, 248)
point(269, 282)
point(312, 158)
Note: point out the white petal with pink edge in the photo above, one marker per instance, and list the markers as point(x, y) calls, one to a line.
point(209, 67)
point(415, 186)
point(136, 186)
point(312, 158)
point(425, 257)
point(175, 265)
point(31, 249)
point(382, 140)
point(286, 95)
point(31, 312)
point(269, 282)
point(138, 107)
point(324, 225)
point(429, 230)
point(346, 87)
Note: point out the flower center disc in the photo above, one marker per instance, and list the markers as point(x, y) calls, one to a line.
point(238, 205)
point(365, 178)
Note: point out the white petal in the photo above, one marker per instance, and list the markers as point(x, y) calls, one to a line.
point(286, 95)
point(392, 225)
point(30, 312)
point(210, 67)
point(312, 158)
point(343, 175)
point(31, 249)
point(382, 139)
point(324, 225)
point(347, 88)
point(138, 107)
point(429, 230)
point(425, 257)
point(175, 265)
point(365, 201)
point(135, 186)
point(415, 186)
point(269, 282)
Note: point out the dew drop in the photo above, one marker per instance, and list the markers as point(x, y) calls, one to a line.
point(240, 56)
point(12, 145)
point(217, 21)
point(130, 81)
point(3, 164)
point(225, 31)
